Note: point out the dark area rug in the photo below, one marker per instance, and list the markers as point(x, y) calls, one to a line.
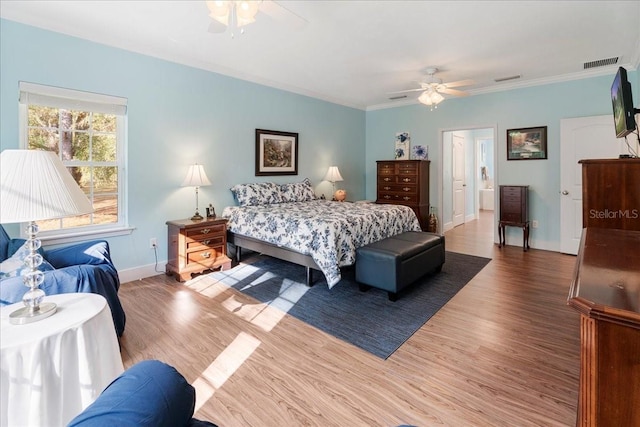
point(365, 319)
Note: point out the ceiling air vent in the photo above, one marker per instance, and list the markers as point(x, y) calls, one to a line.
point(504, 79)
point(393, 98)
point(601, 63)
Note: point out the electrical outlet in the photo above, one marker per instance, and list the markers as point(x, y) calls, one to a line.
point(534, 223)
point(153, 243)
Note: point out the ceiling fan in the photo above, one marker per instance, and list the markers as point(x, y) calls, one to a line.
point(235, 14)
point(432, 89)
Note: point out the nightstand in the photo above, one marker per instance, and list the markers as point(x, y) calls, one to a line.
point(196, 246)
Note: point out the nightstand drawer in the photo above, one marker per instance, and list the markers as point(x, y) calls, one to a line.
point(205, 256)
point(205, 231)
point(203, 243)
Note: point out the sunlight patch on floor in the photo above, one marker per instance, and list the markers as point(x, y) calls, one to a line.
point(267, 315)
point(227, 362)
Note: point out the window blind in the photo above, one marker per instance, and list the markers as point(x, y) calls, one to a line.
point(51, 96)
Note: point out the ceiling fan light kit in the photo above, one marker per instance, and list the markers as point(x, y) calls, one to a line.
point(238, 12)
point(433, 88)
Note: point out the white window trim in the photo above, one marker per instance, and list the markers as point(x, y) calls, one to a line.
point(36, 94)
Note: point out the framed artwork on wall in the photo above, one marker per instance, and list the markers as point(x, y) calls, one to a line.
point(276, 153)
point(527, 143)
point(403, 143)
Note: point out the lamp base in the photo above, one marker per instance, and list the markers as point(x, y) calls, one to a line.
point(197, 217)
point(24, 315)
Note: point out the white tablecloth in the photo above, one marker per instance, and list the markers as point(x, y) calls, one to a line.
point(54, 368)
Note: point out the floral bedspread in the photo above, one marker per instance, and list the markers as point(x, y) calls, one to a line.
point(330, 232)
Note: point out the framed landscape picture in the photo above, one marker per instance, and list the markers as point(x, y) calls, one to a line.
point(276, 153)
point(527, 143)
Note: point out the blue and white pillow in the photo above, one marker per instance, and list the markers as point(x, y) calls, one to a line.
point(297, 191)
point(261, 193)
point(14, 266)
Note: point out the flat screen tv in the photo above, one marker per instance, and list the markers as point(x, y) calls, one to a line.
point(623, 110)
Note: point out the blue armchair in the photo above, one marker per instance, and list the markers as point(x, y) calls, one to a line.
point(83, 267)
point(150, 393)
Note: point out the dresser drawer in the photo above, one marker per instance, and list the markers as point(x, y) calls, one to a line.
point(386, 168)
point(398, 197)
point(511, 193)
point(408, 168)
point(386, 179)
point(398, 188)
point(511, 216)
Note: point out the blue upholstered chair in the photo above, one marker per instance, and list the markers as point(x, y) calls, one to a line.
point(83, 267)
point(150, 393)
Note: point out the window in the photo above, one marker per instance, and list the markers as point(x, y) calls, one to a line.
point(87, 131)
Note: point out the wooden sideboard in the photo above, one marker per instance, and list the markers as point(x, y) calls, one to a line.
point(405, 182)
point(606, 292)
point(611, 193)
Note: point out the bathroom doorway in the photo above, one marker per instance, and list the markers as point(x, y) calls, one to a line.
point(479, 178)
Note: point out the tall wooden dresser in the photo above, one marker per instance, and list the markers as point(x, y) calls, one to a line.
point(405, 182)
point(611, 193)
point(514, 212)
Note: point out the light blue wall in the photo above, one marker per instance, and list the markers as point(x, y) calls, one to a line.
point(178, 115)
point(535, 106)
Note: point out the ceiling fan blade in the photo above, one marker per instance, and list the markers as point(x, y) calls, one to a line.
point(408, 90)
point(460, 83)
point(282, 14)
point(217, 27)
point(454, 92)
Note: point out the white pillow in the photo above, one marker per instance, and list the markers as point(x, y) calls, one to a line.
point(14, 266)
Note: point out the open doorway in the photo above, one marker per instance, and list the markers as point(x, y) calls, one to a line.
point(468, 179)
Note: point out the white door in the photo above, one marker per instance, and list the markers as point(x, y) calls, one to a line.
point(459, 186)
point(581, 138)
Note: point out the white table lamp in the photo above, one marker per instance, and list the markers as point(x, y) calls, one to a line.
point(36, 186)
point(196, 177)
point(333, 176)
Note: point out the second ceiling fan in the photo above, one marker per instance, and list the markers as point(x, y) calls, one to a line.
point(432, 89)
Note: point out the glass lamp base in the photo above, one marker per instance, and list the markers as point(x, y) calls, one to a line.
point(24, 315)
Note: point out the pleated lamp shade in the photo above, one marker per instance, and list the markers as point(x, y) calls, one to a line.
point(35, 186)
point(333, 174)
point(196, 177)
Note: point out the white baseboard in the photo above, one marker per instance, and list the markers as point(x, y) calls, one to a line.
point(469, 217)
point(137, 273)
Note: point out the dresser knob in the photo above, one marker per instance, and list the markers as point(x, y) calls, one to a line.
point(387, 179)
point(206, 242)
point(407, 189)
point(206, 255)
point(386, 196)
point(406, 179)
point(205, 231)
point(387, 188)
point(406, 198)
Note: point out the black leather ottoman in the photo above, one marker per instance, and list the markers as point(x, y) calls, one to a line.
point(394, 263)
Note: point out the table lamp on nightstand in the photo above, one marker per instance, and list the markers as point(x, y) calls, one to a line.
point(196, 177)
point(36, 186)
point(333, 176)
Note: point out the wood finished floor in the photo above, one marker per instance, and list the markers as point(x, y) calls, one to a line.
point(503, 352)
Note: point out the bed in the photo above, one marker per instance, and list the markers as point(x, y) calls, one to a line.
point(293, 225)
